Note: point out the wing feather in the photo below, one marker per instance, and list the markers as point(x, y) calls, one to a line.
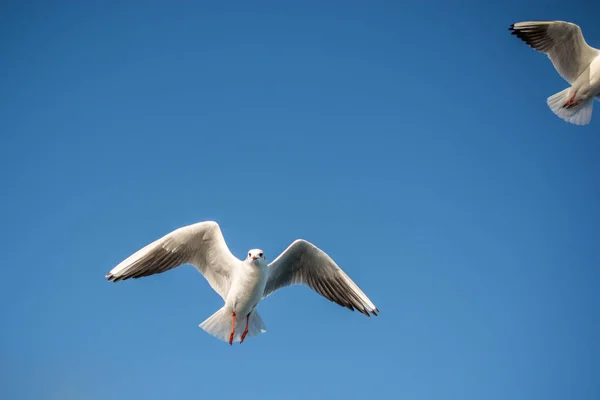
point(201, 245)
point(561, 41)
point(304, 263)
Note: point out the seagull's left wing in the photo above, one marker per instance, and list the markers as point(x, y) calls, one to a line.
point(304, 263)
point(562, 41)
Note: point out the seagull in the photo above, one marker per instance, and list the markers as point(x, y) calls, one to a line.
point(575, 61)
point(242, 284)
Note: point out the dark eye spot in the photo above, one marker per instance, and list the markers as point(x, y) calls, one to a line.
point(260, 254)
point(249, 254)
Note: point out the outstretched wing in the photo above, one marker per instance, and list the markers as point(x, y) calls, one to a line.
point(561, 41)
point(201, 245)
point(304, 263)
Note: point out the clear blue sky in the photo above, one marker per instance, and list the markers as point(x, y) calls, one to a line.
point(409, 140)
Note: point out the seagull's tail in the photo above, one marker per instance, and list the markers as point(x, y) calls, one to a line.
point(219, 325)
point(581, 114)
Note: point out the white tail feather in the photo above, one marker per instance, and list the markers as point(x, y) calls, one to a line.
point(219, 325)
point(578, 115)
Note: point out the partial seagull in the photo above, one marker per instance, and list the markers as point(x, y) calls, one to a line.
point(243, 284)
point(575, 61)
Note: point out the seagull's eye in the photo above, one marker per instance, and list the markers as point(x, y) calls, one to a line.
point(249, 254)
point(260, 254)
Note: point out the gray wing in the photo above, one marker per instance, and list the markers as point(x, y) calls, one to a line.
point(304, 263)
point(201, 245)
point(561, 41)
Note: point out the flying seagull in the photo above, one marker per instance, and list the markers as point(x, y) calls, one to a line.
point(243, 284)
point(575, 61)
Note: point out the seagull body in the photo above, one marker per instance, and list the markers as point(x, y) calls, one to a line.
point(575, 61)
point(242, 284)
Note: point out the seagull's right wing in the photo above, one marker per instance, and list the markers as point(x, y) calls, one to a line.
point(201, 244)
point(561, 41)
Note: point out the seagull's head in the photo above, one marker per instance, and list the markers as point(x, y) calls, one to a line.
point(256, 256)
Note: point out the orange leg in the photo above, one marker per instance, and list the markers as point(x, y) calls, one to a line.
point(570, 103)
point(232, 327)
point(246, 330)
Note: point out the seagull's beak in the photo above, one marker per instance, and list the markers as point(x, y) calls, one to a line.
point(254, 258)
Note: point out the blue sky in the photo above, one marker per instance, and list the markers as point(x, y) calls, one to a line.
point(409, 140)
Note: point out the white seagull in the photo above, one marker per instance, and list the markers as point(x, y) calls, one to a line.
point(575, 61)
point(243, 284)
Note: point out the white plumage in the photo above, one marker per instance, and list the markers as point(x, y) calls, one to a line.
point(575, 61)
point(243, 284)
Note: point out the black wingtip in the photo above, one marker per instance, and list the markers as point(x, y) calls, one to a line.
point(111, 278)
point(364, 311)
